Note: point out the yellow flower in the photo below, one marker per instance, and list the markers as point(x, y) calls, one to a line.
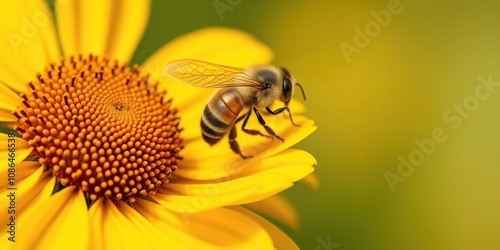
point(105, 159)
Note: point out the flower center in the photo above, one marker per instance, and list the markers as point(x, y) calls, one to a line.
point(101, 126)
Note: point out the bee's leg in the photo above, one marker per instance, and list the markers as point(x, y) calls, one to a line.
point(250, 131)
point(263, 123)
point(240, 118)
point(234, 144)
point(278, 111)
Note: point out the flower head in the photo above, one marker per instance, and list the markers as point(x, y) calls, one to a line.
point(111, 156)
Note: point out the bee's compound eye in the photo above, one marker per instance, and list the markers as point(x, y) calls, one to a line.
point(287, 89)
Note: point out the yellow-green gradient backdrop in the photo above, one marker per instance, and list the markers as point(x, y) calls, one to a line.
point(415, 76)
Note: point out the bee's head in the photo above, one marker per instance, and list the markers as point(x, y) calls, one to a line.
point(277, 83)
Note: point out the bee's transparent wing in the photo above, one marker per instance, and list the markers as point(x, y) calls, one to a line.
point(209, 75)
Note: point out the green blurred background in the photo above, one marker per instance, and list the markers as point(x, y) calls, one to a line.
point(371, 106)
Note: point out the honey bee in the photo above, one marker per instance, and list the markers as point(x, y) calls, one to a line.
point(243, 91)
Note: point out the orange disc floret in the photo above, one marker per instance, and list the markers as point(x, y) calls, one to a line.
point(101, 126)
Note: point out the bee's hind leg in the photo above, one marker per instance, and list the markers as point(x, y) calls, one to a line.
point(234, 144)
point(263, 123)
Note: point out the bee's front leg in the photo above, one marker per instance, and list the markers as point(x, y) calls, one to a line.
point(263, 123)
point(278, 111)
point(251, 131)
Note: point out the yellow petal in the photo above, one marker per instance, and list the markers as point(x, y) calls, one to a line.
point(150, 237)
point(290, 157)
point(280, 239)
point(58, 223)
point(21, 171)
point(6, 116)
point(130, 19)
point(258, 181)
point(40, 197)
point(20, 155)
point(157, 238)
point(312, 181)
point(26, 191)
point(109, 227)
point(110, 28)
point(63, 217)
point(277, 208)
point(121, 228)
point(9, 163)
point(214, 226)
point(292, 172)
point(9, 100)
point(19, 142)
point(68, 25)
point(170, 224)
point(83, 26)
point(42, 190)
point(26, 168)
point(216, 229)
point(218, 45)
point(201, 197)
point(29, 42)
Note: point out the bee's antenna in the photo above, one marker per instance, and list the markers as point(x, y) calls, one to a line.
point(301, 90)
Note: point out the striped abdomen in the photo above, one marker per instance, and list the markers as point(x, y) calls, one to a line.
point(219, 114)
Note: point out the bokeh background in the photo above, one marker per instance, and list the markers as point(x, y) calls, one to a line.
point(418, 72)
